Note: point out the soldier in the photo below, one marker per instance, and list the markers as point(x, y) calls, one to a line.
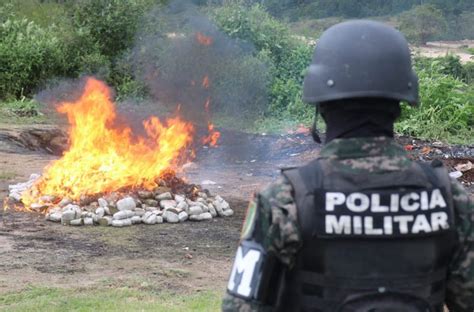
point(363, 227)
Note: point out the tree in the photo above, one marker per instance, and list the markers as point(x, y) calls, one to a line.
point(422, 23)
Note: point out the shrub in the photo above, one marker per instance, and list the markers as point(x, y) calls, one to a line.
point(422, 23)
point(29, 55)
point(446, 108)
point(112, 24)
point(288, 56)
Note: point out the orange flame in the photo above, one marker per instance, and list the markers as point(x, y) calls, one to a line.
point(205, 82)
point(104, 157)
point(203, 39)
point(213, 136)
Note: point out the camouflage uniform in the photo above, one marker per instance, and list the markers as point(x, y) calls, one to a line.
point(272, 217)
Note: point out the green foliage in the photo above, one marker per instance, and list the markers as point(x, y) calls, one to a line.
point(110, 23)
point(449, 65)
point(288, 57)
point(29, 55)
point(422, 23)
point(446, 108)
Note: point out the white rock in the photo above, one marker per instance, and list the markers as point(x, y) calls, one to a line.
point(55, 216)
point(165, 196)
point(212, 210)
point(159, 219)
point(88, 221)
point(34, 177)
point(202, 195)
point(124, 214)
point(102, 202)
point(72, 207)
point(170, 217)
point(107, 211)
point(64, 202)
point(183, 216)
point(100, 212)
point(179, 198)
point(206, 216)
point(183, 205)
point(37, 206)
point(122, 223)
point(195, 210)
point(76, 222)
point(15, 196)
point(139, 212)
point(204, 207)
point(67, 216)
point(127, 203)
point(149, 218)
point(195, 217)
point(105, 221)
point(228, 213)
point(167, 204)
point(136, 219)
point(455, 174)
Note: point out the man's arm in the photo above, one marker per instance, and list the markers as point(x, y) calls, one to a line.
point(460, 290)
point(271, 223)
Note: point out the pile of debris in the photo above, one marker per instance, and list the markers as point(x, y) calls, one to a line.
point(173, 201)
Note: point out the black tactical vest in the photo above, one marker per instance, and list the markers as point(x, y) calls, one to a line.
point(360, 256)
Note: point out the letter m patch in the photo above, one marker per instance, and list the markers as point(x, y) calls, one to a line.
point(246, 271)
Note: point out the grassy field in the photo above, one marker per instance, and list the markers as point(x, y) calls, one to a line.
point(106, 299)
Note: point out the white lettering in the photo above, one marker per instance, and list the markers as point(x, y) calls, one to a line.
point(369, 227)
point(405, 202)
point(437, 200)
point(244, 265)
point(357, 225)
point(388, 225)
point(394, 200)
point(424, 200)
point(403, 223)
point(335, 226)
point(362, 199)
point(439, 221)
point(421, 224)
point(333, 199)
point(375, 198)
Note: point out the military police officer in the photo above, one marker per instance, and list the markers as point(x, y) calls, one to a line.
point(363, 227)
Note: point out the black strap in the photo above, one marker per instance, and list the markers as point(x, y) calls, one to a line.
point(318, 279)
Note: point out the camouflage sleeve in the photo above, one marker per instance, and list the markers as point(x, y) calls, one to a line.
point(460, 288)
point(271, 221)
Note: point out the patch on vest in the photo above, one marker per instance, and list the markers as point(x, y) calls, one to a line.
point(245, 275)
point(383, 214)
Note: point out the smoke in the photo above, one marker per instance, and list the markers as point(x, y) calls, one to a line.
point(184, 60)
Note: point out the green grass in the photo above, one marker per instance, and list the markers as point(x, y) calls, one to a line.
point(470, 51)
point(7, 175)
point(106, 299)
point(21, 112)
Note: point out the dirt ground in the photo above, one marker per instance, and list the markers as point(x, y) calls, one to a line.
point(184, 257)
point(442, 48)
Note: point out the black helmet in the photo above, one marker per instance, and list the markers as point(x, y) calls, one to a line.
point(361, 59)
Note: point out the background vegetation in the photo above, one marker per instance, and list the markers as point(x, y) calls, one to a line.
point(46, 41)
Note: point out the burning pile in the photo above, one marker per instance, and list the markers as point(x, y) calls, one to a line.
point(110, 176)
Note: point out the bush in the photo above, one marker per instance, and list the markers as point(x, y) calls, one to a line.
point(288, 56)
point(422, 23)
point(446, 108)
point(29, 55)
point(112, 24)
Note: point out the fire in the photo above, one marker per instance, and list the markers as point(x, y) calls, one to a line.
point(104, 157)
point(203, 39)
point(205, 82)
point(213, 136)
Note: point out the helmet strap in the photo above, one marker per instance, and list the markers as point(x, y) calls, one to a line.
point(314, 127)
